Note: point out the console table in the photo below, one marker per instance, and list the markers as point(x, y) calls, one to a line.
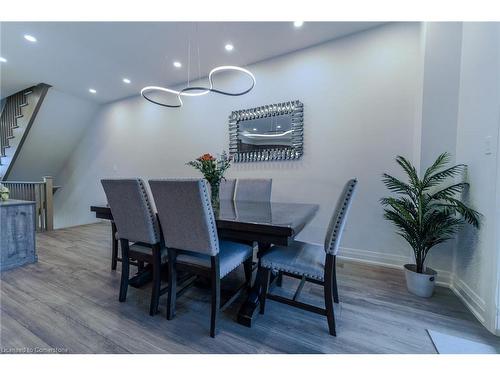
point(17, 233)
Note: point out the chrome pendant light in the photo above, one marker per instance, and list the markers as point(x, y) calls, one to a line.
point(197, 90)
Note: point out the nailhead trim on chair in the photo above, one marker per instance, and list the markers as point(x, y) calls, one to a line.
point(277, 268)
point(341, 217)
point(214, 237)
point(152, 216)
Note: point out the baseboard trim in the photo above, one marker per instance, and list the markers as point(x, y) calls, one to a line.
point(444, 278)
point(470, 299)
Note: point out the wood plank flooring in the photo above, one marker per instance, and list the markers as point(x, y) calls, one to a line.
point(68, 302)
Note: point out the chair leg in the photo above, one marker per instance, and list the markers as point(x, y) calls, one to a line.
point(114, 247)
point(125, 271)
point(155, 292)
point(172, 284)
point(266, 278)
point(279, 279)
point(215, 278)
point(328, 292)
point(335, 289)
point(248, 264)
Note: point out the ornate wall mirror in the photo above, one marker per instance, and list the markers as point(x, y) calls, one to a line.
point(267, 133)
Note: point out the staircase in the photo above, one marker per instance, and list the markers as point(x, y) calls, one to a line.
point(18, 114)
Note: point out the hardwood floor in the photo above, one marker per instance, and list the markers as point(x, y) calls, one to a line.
point(68, 302)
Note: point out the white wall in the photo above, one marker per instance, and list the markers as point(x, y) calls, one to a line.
point(477, 261)
point(57, 130)
point(359, 95)
point(442, 46)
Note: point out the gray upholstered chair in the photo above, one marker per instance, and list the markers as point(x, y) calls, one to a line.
point(190, 233)
point(136, 223)
point(310, 262)
point(253, 189)
point(226, 189)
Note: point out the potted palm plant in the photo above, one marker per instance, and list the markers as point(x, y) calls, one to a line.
point(427, 211)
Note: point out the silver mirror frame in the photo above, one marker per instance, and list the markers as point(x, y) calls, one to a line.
point(295, 108)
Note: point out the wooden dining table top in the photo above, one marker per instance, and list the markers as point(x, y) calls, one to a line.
point(266, 221)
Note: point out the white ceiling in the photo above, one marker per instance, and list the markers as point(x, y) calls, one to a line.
point(76, 56)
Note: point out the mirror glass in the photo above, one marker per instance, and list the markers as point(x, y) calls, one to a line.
point(263, 133)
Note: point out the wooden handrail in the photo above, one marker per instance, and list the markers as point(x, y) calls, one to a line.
point(41, 192)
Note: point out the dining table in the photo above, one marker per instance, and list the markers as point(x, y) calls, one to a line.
point(263, 223)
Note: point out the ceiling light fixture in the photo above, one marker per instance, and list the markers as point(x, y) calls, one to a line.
point(298, 23)
point(187, 91)
point(30, 38)
point(3, 59)
point(126, 80)
point(93, 91)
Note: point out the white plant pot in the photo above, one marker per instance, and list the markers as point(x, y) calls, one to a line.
point(420, 284)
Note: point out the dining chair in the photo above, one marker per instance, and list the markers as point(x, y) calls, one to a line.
point(310, 262)
point(253, 189)
point(138, 231)
point(226, 189)
point(189, 228)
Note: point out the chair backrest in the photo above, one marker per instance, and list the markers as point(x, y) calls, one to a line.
point(226, 189)
point(253, 189)
point(186, 214)
point(131, 209)
point(338, 220)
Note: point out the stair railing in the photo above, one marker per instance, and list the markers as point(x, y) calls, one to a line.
point(11, 111)
point(41, 192)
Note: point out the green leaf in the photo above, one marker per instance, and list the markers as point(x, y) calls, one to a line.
point(439, 177)
point(410, 170)
point(450, 191)
point(440, 162)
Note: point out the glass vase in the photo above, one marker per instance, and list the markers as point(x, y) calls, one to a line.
point(214, 191)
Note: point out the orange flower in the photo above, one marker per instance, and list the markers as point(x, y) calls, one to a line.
point(206, 157)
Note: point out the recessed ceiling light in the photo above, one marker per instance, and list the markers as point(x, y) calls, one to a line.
point(298, 23)
point(177, 64)
point(229, 47)
point(126, 80)
point(3, 59)
point(93, 91)
point(30, 38)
